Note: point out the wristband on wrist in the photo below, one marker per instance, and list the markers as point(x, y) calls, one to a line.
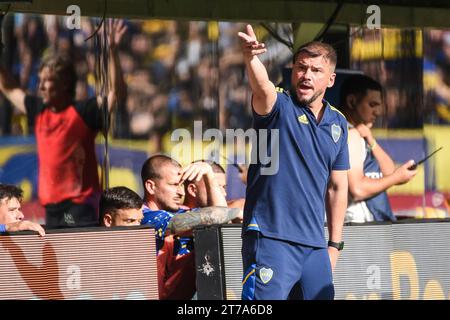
point(2, 228)
point(337, 245)
point(373, 145)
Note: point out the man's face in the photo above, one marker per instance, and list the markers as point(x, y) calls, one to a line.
point(48, 86)
point(169, 192)
point(201, 195)
point(222, 181)
point(311, 77)
point(10, 211)
point(126, 217)
point(369, 107)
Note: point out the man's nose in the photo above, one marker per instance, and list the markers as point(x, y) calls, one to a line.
point(180, 190)
point(307, 74)
point(19, 215)
point(378, 110)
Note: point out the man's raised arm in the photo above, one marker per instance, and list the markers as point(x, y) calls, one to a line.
point(12, 91)
point(118, 89)
point(264, 94)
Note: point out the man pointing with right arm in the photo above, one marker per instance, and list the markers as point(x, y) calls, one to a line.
point(285, 254)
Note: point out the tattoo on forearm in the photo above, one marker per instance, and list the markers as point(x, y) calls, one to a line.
point(207, 216)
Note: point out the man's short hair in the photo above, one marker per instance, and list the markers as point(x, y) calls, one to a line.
point(9, 191)
point(119, 198)
point(152, 166)
point(64, 71)
point(357, 85)
point(316, 49)
point(217, 168)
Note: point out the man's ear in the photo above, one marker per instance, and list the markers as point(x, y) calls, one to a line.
point(107, 220)
point(331, 81)
point(150, 186)
point(351, 101)
point(192, 190)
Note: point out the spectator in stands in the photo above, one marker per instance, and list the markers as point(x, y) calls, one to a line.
point(372, 171)
point(174, 53)
point(65, 133)
point(120, 206)
point(11, 216)
point(163, 180)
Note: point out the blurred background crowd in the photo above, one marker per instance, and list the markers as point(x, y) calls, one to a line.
point(181, 71)
point(176, 71)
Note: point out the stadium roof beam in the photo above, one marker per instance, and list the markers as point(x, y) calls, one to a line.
point(400, 13)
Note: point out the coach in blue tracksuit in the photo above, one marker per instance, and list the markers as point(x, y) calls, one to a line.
point(285, 254)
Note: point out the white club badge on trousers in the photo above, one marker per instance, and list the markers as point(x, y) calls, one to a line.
point(265, 274)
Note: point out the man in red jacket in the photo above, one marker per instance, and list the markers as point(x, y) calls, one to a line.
point(65, 132)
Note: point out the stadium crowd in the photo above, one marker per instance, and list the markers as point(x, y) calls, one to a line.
point(172, 70)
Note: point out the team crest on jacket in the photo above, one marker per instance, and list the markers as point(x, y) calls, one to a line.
point(303, 119)
point(265, 274)
point(336, 132)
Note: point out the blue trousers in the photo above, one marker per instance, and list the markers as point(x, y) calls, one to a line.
point(281, 270)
